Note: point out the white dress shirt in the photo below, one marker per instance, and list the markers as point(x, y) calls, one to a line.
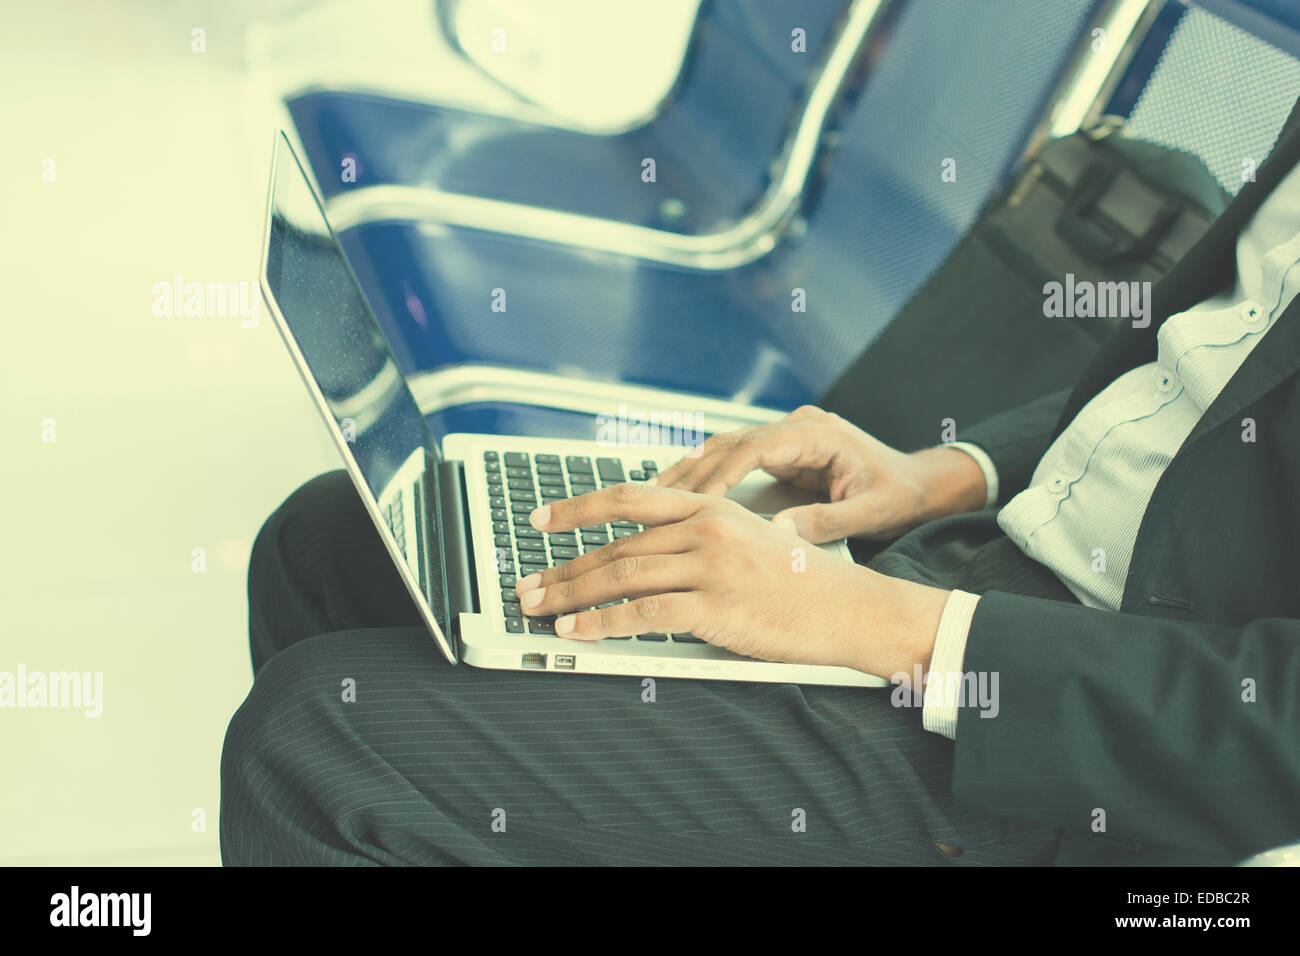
point(1080, 514)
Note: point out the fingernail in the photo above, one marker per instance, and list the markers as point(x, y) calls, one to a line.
point(785, 524)
point(528, 583)
point(532, 598)
point(540, 517)
point(563, 625)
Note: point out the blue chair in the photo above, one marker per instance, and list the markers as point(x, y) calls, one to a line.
point(871, 225)
point(713, 159)
point(596, 316)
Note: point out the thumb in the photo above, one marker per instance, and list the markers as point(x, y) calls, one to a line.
point(820, 523)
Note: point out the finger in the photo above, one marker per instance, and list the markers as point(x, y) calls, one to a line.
point(672, 476)
point(665, 539)
point(820, 523)
point(670, 613)
point(803, 411)
point(631, 577)
point(689, 479)
point(778, 447)
point(627, 501)
point(729, 457)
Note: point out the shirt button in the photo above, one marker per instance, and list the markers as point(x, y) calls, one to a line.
point(1252, 313)
point(1057, 484)
point(1164, 381)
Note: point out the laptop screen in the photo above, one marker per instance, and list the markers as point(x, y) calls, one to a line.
point(370, 407)
point(336, 332)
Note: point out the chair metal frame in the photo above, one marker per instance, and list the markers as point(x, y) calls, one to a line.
point(752, 236)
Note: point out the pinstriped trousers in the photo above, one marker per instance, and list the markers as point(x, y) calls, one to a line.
point(440, 764)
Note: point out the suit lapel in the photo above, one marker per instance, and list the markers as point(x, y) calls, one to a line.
point(1208, 267)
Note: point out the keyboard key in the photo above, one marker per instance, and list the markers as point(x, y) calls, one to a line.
point(563, 539)
point(649, 466)
point(514, 625)
point(626, 524)
point(576, 464)
point(519, 473)
point(516, 459)
point(493, 467)
point(523, 497)
point(520, 484)
point(594, 540)
point(636, 475)
point(508, 597)
point(489, 456)
point(577, 488)
point(500, 527)
point(687, 639)
point(623, 532)
point(499, 514)
point(528, 533)
point(547, 459)
point(652, 637)
point(527, 568)
point(549, 481)
point(508, 581)
point(564, 554)
point(545, 469)
point(497, 502)
point(502, 540)
point(541, 625)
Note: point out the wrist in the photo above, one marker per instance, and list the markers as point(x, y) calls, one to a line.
point(952, 482)
point(904, 624)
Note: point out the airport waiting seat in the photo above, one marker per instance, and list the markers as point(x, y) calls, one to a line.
point(960, 352)
point(934, 81)
point(713, 159)
point(586, 330)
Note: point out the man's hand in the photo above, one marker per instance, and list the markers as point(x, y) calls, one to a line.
point(707, 566)
point(875, 491)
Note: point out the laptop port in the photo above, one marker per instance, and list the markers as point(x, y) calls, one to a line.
point(535, 660)
point(564, 662)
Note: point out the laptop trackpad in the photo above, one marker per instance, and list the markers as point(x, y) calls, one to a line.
point(764, 495)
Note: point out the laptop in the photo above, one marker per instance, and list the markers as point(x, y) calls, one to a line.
point(455, 519)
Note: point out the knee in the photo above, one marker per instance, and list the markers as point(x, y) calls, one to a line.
point(299, 731)
point(262, 769)
point(292, 531)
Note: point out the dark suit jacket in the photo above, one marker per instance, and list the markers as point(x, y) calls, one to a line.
point(1146, 714)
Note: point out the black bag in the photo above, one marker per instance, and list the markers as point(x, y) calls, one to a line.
point(975, 339)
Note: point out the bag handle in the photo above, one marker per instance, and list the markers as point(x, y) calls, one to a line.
point(1089, 239)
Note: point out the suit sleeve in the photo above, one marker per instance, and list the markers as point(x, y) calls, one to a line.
point(1183, 734)
point(1016, 439)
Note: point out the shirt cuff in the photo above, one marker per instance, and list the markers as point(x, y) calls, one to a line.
point(939, 706)
point(986, 465)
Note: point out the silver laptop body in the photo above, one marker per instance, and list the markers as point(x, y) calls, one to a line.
point(448, 517)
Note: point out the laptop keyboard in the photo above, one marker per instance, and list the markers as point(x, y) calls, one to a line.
point(519, 482)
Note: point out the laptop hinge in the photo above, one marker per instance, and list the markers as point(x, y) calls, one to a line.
point(462, 595)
